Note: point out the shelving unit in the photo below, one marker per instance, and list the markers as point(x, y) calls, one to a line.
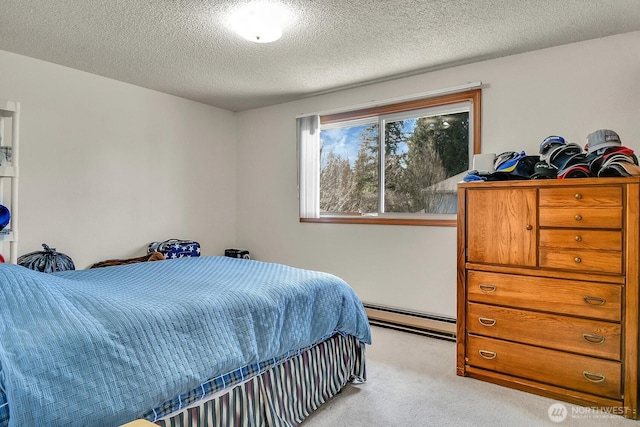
point(9, 137)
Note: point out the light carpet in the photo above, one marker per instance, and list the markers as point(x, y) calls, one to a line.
point(412, 381)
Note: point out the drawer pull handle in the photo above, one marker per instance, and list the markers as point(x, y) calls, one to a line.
point(488, 354)
point(578, 239)
point(578, 196)
point(485, 321)
point(594, 300)
point(487, 289)
point(593, 339)
point(594, 378)
point(578, 260)
point(578, 217)
point(529, 227)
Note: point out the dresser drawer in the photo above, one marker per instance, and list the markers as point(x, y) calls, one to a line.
point(584, 336)
point(581, 239)
point(572, 297)
point(595, 196)
point(581, 217)
point(582, 260)
point(571, 371)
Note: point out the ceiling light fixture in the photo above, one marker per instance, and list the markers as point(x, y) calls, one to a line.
point(259, 22)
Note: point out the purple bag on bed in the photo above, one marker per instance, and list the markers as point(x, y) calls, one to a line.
point(175, 248)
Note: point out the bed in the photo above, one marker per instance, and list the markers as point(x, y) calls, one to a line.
point(191, 341)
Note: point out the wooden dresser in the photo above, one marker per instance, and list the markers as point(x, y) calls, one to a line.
point(548, 288)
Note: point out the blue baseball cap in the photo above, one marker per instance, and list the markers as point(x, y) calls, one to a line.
point(507, 161)
point(5, 216)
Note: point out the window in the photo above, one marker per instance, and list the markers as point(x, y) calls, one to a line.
point(391, 164)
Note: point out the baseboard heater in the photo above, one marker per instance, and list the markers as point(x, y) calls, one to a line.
point(425, 324)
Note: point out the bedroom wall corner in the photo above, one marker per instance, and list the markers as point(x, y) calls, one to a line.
point(107, 167)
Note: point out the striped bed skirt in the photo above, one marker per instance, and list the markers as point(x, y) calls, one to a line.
point(283, 395)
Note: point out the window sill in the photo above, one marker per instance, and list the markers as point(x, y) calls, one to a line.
point(441, 221)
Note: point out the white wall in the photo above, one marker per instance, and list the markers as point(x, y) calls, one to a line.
point(570, 91)
point(107, 167)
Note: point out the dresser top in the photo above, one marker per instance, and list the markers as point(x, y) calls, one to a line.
point(551, 182)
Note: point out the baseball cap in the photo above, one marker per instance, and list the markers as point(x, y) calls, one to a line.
point(579, 170)
point(603, 138)
point(597, 159)
point(5, 216)
point(559, 156)
point(507, 161)
point(542, 170)
point(550, 144)
point(550, 141)
point(618, 165)
point(630, 169)
point(568, 155)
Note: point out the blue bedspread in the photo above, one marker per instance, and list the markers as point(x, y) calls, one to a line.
point(101, 347)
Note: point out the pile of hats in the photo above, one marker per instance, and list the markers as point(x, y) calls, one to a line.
point(608, 157)
point(559, 159)
point(604, 155)
point(509, 165)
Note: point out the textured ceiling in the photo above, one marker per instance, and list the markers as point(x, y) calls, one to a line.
point(185, 48)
